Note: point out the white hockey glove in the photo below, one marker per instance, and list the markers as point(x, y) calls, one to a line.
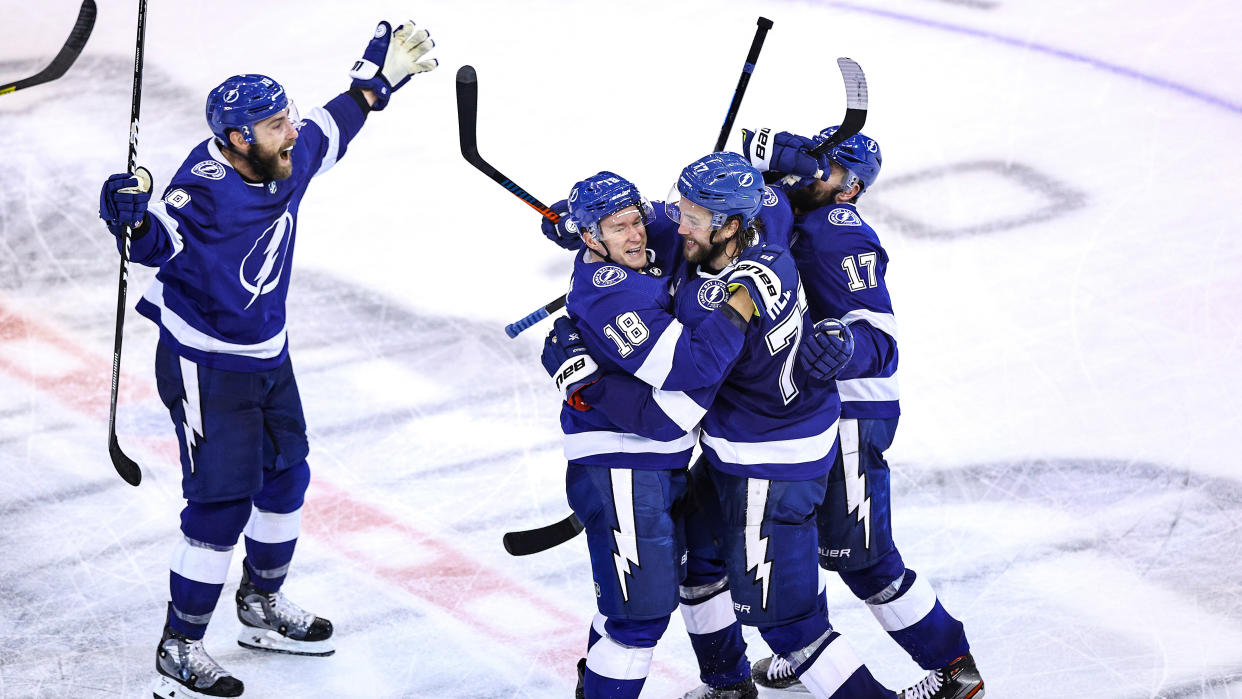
point(390, 59)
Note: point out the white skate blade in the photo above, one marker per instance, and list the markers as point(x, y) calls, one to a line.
point(168, 688)
point(262, 639)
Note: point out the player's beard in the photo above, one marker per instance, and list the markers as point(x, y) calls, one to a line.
point(704, 254)
point(811, 198)
point(268, 165)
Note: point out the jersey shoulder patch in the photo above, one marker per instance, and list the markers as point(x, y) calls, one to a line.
point(844, 217)
point(712, 294)
point(608, 275)
point(209, 169)
point(769, 197)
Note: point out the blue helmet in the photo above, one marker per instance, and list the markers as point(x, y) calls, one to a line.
point(241, 101)
point(725, 184)
point(859, 155)
point(602, 195)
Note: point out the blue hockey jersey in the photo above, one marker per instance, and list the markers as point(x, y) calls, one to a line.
point(765, 419)
point(224, 247)
point(842, 265)
point(627, 324)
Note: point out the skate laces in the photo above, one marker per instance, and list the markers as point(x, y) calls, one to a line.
point(925, 689)
point(194, 656)
point(290, 613)
point(780, 668)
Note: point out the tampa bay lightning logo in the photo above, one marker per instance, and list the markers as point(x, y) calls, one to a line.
point(769, 197)
point(261, 268)
point(843, 217)
point(209, 169)
point(745, 179)
point(712, 294)
point(231, 96)
point(608, 276)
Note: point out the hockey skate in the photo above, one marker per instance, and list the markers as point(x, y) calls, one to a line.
point(580, 690)
point(271, 622)
point(960, 680)
point(742, 690)
point(186, 671)
point(775, 672)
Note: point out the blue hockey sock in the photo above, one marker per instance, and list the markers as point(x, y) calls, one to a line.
point(716, 637)
point(918, 623)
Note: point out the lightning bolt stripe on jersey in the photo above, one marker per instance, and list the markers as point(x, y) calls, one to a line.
point(856, 498)
point(193, 408)
point(624, 534)
point(756, 544)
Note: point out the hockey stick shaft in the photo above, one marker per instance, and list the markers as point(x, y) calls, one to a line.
point(752, 57)
point(125, 466)
point(467, 124)
point(515, 328)
point(67, 55)
point(855, 105)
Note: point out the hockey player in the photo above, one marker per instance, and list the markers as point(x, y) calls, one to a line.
point(626, 476)
point(766, 448)
point(843, 268)
point(222, 237)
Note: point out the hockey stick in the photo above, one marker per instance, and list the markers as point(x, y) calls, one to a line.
point(467, 118)
point(546, 537)
point(855, 105)
point(752, 57)
point(68, 53)
point(763, 24)
point(124, 465)
point(524, 543)
point(516, 327)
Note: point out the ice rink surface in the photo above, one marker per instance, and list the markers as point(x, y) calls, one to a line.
point(1058, 199)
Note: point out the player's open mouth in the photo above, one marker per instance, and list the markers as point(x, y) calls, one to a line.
point(284, 154)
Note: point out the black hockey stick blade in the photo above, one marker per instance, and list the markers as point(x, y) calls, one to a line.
point(855, 105)
point(467, 123)
point(524, 543)
point(124, 465)
point(68, 53)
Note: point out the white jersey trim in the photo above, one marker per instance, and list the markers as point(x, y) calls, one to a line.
point(659, 361)
point(272, 527)
point(190, 337)
point(711, 616)
point(610, 659)
point(323, 119)
point(160, 211)
point(832, 669)
point(201, 562)
point(780, 451)
point(680, 407)
point(907, 610)
point(581, 444)
point(884, 322)
point(871, 389)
